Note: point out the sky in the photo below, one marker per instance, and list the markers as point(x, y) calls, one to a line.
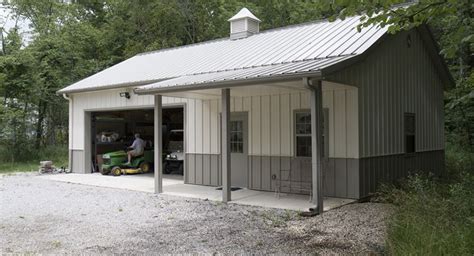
point(7, 22)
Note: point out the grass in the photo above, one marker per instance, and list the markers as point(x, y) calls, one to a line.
point(434, 216)
point(57, 154)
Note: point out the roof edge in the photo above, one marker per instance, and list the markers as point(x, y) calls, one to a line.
point(109, 87)
point(228, 84)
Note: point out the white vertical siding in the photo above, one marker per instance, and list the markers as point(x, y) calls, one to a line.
point(271, 122)
point(340, 145)
point(275, 127)
point(265, 125)
point(256, 116)
point(286, 122)
point(206, 122)
point(102, 101)
point(214, 129)
point(191, 125)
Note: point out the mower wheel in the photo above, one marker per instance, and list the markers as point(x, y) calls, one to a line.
point(145, 167)
point(104, 171)
point(166, 169)
point(116, 171)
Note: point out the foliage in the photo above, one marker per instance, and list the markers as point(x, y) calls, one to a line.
point(74, 39)
point(459, 161)
point(431, 218)
point(433, 215)
point(57, 154)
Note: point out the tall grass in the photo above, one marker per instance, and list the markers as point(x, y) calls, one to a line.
point(434, 216)
point(57, 154)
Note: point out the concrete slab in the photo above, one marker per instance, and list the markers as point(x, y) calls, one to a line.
point(174, 185)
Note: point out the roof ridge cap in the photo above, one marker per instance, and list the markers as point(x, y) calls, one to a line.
point(228, 39)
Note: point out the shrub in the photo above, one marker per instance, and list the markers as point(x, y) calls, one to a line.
point(458, 162)
point(432, 216)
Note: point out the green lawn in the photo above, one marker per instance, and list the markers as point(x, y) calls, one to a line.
point(18, 167)
point(57, 154)
point(26, 167)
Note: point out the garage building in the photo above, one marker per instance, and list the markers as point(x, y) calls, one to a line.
point(316, 108)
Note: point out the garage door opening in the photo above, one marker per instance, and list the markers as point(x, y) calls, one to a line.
point(113, 132)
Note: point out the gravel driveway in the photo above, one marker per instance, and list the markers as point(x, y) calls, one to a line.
point(48, 217)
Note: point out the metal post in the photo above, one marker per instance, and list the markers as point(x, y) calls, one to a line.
point(316, 144)
point(225, 146)
point(158, 144)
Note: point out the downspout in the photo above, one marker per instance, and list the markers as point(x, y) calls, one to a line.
point(316, 142)
point(70, 128)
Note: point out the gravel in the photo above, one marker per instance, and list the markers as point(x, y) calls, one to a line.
point(49, 217)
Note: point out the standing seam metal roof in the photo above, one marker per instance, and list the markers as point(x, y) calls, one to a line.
point(277, 70)
point(267, 50)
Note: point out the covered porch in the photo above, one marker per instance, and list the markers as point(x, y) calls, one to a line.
point(248, 133)
point(251, 136)
point(174, 186)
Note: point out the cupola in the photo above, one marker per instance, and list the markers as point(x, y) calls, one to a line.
point(243, 24)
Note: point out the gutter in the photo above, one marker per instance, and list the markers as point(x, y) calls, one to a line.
point(110, 87)
point(228, 83)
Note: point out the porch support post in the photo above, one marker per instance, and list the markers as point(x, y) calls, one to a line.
point(158, 147)
point(225, 145)
point(316, 142)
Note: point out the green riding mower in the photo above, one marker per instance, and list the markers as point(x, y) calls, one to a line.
point(115, 163)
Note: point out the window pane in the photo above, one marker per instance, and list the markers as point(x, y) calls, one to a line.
point(303, 118)
point(410, 132)
point(303, 146)
point(236, 137)
point(303, 127)
point(410, 144)
point(303, 123)
point(409, 123)
point(300, 129)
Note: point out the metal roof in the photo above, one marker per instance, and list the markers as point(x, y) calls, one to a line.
point(256, 74)
point(292, 44)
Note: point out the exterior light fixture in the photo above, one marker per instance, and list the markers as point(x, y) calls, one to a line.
point(125, 94)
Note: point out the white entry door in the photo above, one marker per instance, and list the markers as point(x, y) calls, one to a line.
point(239, 149)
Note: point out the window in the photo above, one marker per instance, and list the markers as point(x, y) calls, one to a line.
point(410, 131)
point(236, 137)
point(303, 134)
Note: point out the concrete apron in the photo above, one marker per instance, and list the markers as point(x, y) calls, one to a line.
point(174, 185)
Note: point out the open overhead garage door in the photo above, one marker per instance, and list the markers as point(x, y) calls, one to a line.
point(113, 132)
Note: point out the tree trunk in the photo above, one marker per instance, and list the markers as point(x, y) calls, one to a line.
point(39, 125)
